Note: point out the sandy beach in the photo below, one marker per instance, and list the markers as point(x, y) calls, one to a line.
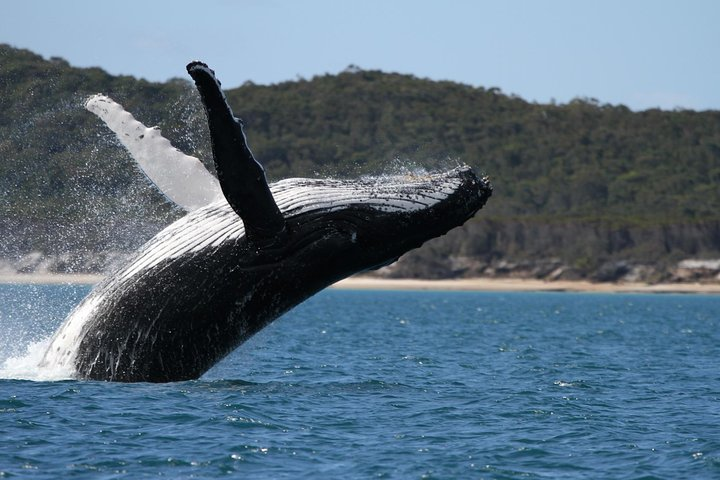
point(521, 285)
point(464, 284)
point(50, 278)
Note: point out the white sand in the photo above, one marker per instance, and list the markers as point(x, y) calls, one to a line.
point(465, 284)
point(521, 285)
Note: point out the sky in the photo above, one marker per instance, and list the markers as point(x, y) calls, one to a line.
point(639, 53)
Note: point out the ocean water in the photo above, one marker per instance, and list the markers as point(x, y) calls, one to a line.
point(378, 384)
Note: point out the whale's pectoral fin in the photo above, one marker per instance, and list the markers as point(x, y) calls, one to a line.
point(242, 178)
point(182, 178)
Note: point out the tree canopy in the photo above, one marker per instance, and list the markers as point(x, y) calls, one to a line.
point(579, 164)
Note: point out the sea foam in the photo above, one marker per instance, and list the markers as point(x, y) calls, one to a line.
point(25, 366)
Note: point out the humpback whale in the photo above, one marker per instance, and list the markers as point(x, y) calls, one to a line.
point(245, 253)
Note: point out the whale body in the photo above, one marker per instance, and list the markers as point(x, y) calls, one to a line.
point(246, 252)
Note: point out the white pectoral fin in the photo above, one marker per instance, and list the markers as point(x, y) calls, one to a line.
point(181, 178)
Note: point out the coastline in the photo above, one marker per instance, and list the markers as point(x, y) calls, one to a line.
point(50, 278)
point(521, 285)
point(463, 284)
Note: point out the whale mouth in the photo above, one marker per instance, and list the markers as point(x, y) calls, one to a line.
point(378, 218)
point(405, 193)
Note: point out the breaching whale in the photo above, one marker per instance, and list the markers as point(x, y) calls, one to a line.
point(245, 253)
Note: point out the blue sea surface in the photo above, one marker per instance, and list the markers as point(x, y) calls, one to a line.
point(385, 384)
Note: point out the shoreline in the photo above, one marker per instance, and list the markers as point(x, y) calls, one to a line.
point(521, 285)
point(50, 278)
point(463, 284)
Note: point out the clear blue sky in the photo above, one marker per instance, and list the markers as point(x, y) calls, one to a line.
point(641, 53)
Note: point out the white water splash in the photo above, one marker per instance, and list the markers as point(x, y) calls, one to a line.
point(25, 366)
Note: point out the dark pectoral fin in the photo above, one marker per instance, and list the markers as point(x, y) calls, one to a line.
point(242, 178)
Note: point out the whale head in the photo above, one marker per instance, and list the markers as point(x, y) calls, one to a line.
point(349, 226)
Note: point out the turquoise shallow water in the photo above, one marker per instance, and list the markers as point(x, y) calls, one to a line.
point(358, 384)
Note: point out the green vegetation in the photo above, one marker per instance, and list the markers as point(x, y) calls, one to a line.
point(584, 182)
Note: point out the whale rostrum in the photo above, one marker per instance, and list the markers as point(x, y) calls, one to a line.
point(245, 253)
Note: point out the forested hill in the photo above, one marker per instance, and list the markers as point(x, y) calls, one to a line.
point(576, 185)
